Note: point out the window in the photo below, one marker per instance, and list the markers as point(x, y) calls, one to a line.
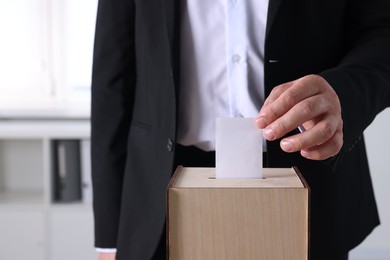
point(46, 55)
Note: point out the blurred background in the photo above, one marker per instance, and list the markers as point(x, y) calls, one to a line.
point(45, 187)
point(46, 56)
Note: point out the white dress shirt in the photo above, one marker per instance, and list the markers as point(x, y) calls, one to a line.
point(222, 65)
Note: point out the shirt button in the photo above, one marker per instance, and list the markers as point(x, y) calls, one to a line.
point(236, 58)
point(170, 145)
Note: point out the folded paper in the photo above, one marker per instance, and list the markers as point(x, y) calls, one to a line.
point(239, 148)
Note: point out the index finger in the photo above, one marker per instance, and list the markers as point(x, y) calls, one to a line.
point(282, 99)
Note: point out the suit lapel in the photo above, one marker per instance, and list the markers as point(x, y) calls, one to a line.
point(171, 24)
point(273, 8)
point(170, 9)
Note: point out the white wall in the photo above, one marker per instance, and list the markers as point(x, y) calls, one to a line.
point(377, 245)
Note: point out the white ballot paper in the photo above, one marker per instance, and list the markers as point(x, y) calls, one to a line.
point(239, 148)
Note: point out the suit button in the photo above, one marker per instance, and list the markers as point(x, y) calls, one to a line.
point(170, 145)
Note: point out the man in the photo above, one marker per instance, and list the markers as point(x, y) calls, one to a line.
point(163, 70)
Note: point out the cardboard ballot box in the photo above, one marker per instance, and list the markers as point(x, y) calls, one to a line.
point(222, 219)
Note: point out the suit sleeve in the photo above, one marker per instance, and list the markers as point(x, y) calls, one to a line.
point(362, 79)
point(113, 80)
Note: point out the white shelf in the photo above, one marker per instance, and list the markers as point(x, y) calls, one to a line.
point(28, 166)
point(21, 198)
point(33, 129)
point(71, 207)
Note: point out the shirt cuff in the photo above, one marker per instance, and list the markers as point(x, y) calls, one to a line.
point(105, 250)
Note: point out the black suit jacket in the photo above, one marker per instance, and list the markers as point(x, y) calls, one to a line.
point(134, 112)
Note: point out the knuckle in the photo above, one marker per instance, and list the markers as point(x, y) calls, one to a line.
point(292, 98)
point(334, 103)
point(327, 130)
point(308, 108)
point(341, 126)
point(320, 80)
point(339, 141)
point(277, 90)
point(273, 112)
point(336, 144)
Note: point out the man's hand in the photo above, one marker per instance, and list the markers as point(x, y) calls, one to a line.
point(309, 101)
point(107, 256)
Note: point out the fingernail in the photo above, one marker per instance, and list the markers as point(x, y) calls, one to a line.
point(269, 134)
point(261, 123)
point(286, 146)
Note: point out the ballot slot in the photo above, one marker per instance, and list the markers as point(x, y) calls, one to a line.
point(203, 177)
